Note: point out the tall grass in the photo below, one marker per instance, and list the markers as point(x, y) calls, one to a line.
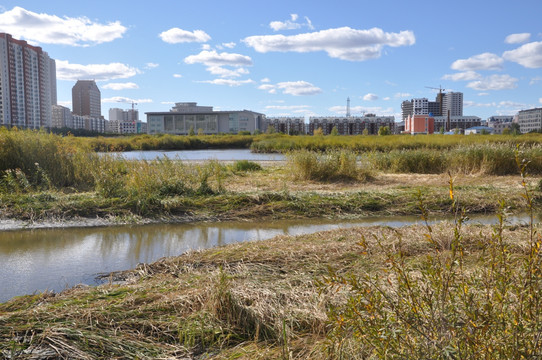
point(42, 157)
point(332, 165)
point(446, 305)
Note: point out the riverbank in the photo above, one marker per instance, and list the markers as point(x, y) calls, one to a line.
point(259, 300)
point(267, 194)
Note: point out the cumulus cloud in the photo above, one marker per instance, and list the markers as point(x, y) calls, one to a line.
point(99, 72)
point(290, 24)
point(228, 82)
point(485, 61)
point(151, 65)
point(227, 73)
point(120, 86)
point(370, 97)
point(494, 82)
point(344, 43)
point(177, 76)
point(535, 80)
point(121, 99)
point(402, 95)
point(288, 107)
point(176, 36)
point(296, 88)
point(528, 55)
point(517, 38)
point(52, 29)
point(463, 76)
point(212, 58)
point(229, 45)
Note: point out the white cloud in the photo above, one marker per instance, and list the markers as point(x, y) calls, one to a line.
point(227, 73)
point(52, 29)
point(535, 80)
point(212, 58)
point(120, 86)
point(528, 55)
point(370, 97)
point(540, 100)
point(229, 45)
point(468, 103)
point(387, 98)
point(176, 36)
point(121, 99)
point(290, 24)
point(205, 47)
point(177, 76)
point(494, 82)
point(344, 43)
point(99, 72)
point(485, 61)
point(402, 95)
point(293, 108)
point(296, 88)
point(483, 94)
point(151, 65)
point(265, 80)
point(228, 82)
point(463, 76)
point(517, 38)
point(66, 103)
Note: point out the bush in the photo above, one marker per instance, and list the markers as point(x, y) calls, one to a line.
point(245, 165)
point(334, 165)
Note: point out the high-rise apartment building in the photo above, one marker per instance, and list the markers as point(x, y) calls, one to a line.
point(452, 101)
point(86, 99)
point(27, 84)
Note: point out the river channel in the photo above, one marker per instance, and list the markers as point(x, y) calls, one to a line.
point(201, 155)
point(55, 259)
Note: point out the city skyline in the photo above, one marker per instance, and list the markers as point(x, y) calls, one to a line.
point(290, 59)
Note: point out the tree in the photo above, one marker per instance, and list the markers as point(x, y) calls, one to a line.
point(191, 131)
point(384, 130)
point(441, 130)
point(334, 131)
point(365, 132)
point(270, 129)
point(515, 129)
point(200, 131)
point(318, 132)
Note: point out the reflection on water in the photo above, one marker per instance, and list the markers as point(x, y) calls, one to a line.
point(53, 259)
point(200, 155)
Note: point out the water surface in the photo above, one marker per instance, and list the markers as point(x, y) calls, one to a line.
point(200, 155)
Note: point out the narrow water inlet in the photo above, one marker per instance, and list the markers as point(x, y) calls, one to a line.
point(56, 259)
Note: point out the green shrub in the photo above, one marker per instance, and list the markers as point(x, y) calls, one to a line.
point(333, 165)
point(246, 165)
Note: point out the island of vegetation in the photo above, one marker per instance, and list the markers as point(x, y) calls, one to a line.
point(446, 291)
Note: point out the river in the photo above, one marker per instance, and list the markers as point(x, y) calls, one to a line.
point(55, 259)
point(201, 155)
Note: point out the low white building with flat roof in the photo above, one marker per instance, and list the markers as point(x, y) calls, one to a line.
point(186, 117)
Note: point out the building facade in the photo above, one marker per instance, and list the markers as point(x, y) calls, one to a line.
point(500, 123)
point(86, 99)
point(353, 125)
point(452, 103)
point(445, 123)
point(185, 118)
point(27, 84)
point(61, 117)
point(286, 125)
point(530, 120)
point(420, 124)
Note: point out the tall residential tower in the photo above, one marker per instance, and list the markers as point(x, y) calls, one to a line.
point(27, 84)
point(86, 99)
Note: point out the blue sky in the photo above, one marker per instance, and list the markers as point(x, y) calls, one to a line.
point(290, 58)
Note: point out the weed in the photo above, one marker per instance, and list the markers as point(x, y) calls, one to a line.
point(246, 165)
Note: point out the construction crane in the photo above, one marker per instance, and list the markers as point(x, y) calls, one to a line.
point(440, 89)
point(133, 112)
